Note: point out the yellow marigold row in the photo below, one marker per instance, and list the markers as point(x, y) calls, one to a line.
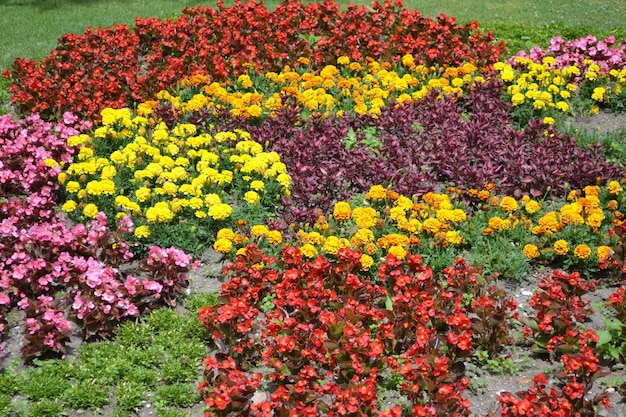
point(349, 86)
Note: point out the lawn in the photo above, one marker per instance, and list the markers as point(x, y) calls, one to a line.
point(403, 218)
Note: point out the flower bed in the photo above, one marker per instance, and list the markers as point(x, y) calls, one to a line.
point(343, 196)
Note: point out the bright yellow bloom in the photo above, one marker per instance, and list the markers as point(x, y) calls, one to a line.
point(582, 251)
point(614, 187)
point(275, 237)
point(508, 204)
point(431, 225)
point(376, 192)
point(604, 252)
point(308, 250)
point(259, 230)
point(226, 233)
point(532, 207)
point(220, 211)
point(561, 247)
point(342, 211)
point(69, 206)
point(223, 246)
point(531, 251)
point(366, 261)
point(252, 197)
point(142, 232)
point(91, 211)
point(398, 251)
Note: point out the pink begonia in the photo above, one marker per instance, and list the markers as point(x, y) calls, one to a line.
point(153, 286)
point(4, 299)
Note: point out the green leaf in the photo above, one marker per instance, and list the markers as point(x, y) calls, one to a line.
point(389, 303)
point(604, 337)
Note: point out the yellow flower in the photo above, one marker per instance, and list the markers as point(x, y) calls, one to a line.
point(431, 225)
point(531, 251)
point(257, 185)
point(362, 237)
point(532, 206)
point(226, 233)
point(561, 247)
point(376, 192)
point(598, 93)
point(366, 261)
point(582, 251)
point(398, 251)
point(252, 197)
point(517, 99)
point(364, 217)
point(72, 187)
point(259, 230)
point(342, 211)
point(69, 206)
point(604, 252)
point(453, 237)
point(90, 211)
point(343, 60)
point(497, 223)
point(275, 237)
point(220, 211)
point(594, 220)
point(142, 231)
point(614, 187)
point(223, 246)
point(308, 250)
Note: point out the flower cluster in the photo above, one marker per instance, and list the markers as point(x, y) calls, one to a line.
point(48, 268)
point(330, 332)
point(170, 179)
point(347, 86)
point(80, 76)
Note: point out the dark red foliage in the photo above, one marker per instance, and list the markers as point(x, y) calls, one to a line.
point(114, 67)
point(468, 142)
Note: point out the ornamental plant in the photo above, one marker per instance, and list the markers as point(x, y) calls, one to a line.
point(347, 86)
point(179, 184)
point(556, 328)
point(319, 334)
point(581, 369)
point(421, 148)
point(80, 75)
point(612, 340)
point(53, 271)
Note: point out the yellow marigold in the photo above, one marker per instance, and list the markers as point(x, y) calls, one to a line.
point(365, 217)
point(226, 233)
point(142, 232)
point(69, 206)
point(72, 187)
point(531, 251)
point(397, 251)
point(332, 244)
point(612, 205)
point(259, 230)
point(614, 187)
point(497, 223)
point(582, 251)
point(342, 211)
point(223, 246)
point(604, 252)
point(366, 261)
point(594, 220)
point(362, 237)
point(252, 197)
point(561, 247)
point(453, 237)
point(550, 222)
point(220, 211)
point(532, 206)
point(90, 211)
point(376, 192)
point(431, 225)
point(508, 204)
point(308, 250)
point(275, 237)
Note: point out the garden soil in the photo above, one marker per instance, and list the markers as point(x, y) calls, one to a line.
point(485, 386)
